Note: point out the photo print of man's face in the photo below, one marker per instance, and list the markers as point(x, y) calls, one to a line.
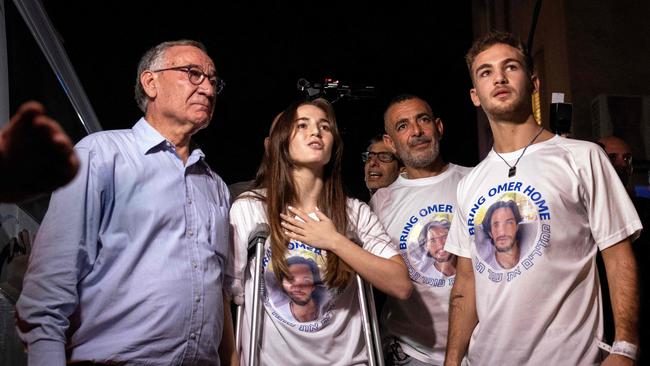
point(436, 235)
point(504, 229)
point(299, 285)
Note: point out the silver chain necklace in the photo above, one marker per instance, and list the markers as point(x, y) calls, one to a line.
point(513, 168)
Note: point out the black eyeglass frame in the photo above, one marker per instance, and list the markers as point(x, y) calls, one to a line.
point(218, 83)
point(383, 156)
point(627, 158)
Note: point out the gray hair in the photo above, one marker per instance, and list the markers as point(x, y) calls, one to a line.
point(152, 59)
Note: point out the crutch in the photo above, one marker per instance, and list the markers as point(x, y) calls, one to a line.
point(374, 322)
point(238, 317)
point(256, 241)
point(370, 324)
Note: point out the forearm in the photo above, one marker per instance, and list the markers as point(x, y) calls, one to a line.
point(462, 312)
point(622, 277)
point(389, 275)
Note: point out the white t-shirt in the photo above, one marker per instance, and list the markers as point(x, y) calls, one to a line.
point(405, 208)
point(546, 310)
point(335, 336)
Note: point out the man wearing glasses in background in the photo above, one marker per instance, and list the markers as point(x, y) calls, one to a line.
point(620, 155)
point(127, 266)
point(381, 167)
point(415, 329)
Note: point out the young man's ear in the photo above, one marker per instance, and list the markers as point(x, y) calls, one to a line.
point(535, 81)
point(474, 97)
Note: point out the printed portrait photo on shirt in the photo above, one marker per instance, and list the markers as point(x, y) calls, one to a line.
point(429, 256)
point(422, 244)
point(506, 231)
point(301, 296)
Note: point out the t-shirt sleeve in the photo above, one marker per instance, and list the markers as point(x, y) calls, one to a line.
point(458, 239)
point(242, 221)
point(612, 216)
point(364, 228)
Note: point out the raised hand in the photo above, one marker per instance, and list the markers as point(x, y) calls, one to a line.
point(319, 233)
point(36, 155)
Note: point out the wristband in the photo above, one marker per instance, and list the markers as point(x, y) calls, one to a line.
point(622, 348)
point(626, 349)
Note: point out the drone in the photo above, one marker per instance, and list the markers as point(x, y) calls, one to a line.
point(334, 90)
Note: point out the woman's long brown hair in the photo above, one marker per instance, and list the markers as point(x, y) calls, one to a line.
point(275, 175)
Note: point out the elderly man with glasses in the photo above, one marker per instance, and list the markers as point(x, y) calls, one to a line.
point(128, 265)
point(381, 167)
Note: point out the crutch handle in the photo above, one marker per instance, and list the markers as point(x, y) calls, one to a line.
point(256, 240)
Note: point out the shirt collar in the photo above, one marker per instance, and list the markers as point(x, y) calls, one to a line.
point(147, 138)
point(196, 154)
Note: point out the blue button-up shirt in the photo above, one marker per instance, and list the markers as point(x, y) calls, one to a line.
point(128, 263)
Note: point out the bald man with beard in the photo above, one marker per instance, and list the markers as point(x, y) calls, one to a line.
point(415, 329)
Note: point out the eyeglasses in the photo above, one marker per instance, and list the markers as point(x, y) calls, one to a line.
point(627, 158)
point(383, 156)
point(196, 76)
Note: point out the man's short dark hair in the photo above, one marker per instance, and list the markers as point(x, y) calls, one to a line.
point(403, 98)
point(498, 37)
point(301, 260)
point(375, 139)
point(487, 220)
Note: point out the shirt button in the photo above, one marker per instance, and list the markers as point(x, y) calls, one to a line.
point(189, 233)
point(189, 201)
point(194, 265)
point(192, 336)
point(197, 299)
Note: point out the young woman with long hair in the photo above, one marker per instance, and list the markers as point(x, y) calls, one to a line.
point(319, 238)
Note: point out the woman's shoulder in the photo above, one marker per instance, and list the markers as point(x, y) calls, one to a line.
point(249, 199)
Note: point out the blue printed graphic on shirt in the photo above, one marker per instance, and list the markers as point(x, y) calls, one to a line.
point(510, 227)
point(421, 244)
point(301, 299)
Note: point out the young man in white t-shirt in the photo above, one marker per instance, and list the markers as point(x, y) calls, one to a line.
point(416, 211)
point(546, 308)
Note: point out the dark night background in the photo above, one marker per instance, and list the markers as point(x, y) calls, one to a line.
point(261, 50)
